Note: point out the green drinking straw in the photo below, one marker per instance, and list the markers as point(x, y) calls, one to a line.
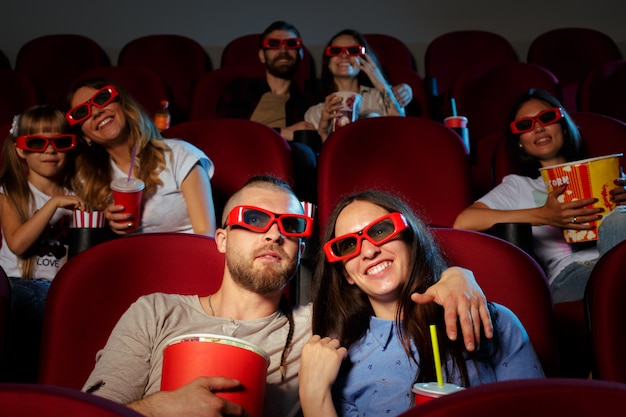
point(433, 338)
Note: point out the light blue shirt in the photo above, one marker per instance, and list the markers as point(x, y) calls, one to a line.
point(380, 379)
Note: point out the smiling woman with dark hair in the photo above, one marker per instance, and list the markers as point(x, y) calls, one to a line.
point(350, 65)
point(378, 260)
point(541, 133)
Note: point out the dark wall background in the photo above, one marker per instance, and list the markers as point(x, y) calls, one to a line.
point(213, 23)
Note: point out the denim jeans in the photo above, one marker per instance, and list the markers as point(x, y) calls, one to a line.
point(24, 338)
point(570, 284)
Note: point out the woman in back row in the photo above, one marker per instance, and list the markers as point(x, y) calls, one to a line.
point(349, 64)
point(541, 133)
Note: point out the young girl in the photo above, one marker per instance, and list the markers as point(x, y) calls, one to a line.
point(35, 210)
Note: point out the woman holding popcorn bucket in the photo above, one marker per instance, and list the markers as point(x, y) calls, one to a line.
point(542, 138)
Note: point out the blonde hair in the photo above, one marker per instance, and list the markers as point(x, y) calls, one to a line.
point(14, 173)
point(93, 167)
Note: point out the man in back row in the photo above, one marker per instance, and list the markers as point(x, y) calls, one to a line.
point(263, 238)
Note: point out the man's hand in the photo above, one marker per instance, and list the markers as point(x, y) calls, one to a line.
point(287, 132)
point(196, 399)
point(463, 300)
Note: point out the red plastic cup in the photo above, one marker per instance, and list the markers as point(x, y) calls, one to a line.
point(349, 112)
point(188, 357)
point(426, 391)
point(128, 193)
point(459, 125)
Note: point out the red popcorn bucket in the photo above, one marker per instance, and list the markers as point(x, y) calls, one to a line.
point(190, 356)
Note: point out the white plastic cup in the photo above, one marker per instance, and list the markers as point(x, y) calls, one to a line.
point(349, 112)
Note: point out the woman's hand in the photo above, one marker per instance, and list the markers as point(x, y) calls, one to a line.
point(571, 215)
point(403, 93)
point(330, 111)
point(319, 366)
point(618, 195)
point(120, 223)
point(366, 64)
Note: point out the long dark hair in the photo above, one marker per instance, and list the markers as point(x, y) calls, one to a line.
point(343, 311)
point(572, 143)
point(328, 80)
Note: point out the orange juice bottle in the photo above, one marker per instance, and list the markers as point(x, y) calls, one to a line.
point(162, 118)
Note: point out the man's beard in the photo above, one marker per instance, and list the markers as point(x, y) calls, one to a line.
point(268, 278)
point(285, 70)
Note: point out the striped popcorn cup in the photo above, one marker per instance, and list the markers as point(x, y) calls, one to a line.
point(587, 178)
point(88, 219)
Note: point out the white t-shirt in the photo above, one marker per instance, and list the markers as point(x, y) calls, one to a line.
point(521, 192)
point(166, 210)
point(51, 248)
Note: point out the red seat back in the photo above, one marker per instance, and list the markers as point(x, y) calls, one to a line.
point(606, 315)
point(453, 52)
point(26, 400)
point(415, 157)
point(391, 51)
point(54, 61)
point(94, 288)
point(570, 53)
point(602, 90)
point(179, 60)
point(509, 276)
point(239, 149)
point(529, 397)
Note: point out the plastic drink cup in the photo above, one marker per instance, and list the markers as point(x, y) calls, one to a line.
point(188, 357)
point(459, 125)
point(426, 391)
point(127, 193)
point(349, 112)
point(587, 178)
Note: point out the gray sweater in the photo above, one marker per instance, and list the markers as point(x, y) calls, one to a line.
point(130, 363)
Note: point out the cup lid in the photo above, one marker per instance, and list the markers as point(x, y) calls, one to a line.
point(124, 184)
point(435, 390)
